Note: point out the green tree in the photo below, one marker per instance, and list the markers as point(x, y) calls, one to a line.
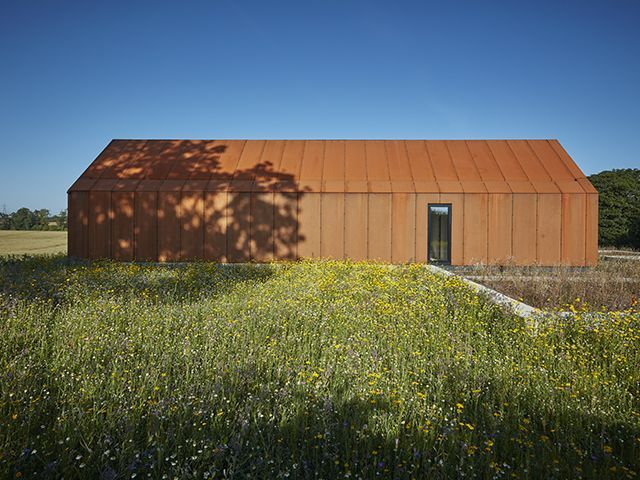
point(5, 221)
point(23, 219)
point(619, 205)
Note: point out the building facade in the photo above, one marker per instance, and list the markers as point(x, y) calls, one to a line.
point(458, 202)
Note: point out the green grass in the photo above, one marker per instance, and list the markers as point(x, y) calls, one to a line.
point(304, 370)
point(17, 242)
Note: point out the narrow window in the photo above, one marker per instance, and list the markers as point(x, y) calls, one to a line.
point(439, 233)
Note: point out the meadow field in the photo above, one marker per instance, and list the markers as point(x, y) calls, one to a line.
point(21, 242)
point(302, 370)
point(613, 284)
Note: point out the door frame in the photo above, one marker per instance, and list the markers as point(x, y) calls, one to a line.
point(429, 230)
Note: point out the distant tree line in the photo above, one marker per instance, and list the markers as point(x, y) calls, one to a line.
point(619, 205)
point(25, 219)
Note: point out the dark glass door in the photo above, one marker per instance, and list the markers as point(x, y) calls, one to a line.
point(439, 232)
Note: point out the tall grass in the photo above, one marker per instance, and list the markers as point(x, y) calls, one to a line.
point(306, 370)
point(614, 284)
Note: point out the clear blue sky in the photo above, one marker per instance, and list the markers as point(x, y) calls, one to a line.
point(73, 75)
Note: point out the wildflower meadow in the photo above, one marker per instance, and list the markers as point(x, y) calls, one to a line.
point(302, 370)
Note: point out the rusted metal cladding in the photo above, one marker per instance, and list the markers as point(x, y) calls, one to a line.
point(517, 201)
point(238, 227)
point(215, 226)
point(403, 227)
point(500, 228)
point(475, 228)
point(285, 233)
point(78, 224)
point(146, 226)
point(332, 228)
point(573, 228)
point(525, 212)
point(309, 224)
point(379, 237)
point(99, 224)
point(262, 226)
point(122, 225)
point(169, 226)
point(356, 212)
point(191, 225)
point(591, 229)
point(549, 228)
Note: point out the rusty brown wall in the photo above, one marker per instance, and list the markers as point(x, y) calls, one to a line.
point(500, 228)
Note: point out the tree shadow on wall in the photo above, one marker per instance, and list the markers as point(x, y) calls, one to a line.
point(222, 212)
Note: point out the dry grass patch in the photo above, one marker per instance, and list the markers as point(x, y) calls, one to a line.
point(613, 285)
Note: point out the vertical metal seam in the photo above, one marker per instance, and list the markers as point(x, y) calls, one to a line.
point(324, 150)
point(344, 200)
point(386, 158)
point(406, 151)
point(455, 169)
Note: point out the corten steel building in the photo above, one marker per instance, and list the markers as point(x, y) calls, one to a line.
point(461, 202)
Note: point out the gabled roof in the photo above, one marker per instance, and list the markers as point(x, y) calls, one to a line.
point(470, 166)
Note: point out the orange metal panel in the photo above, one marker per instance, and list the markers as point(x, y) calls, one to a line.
point(267, 177)
point(465, 167)
point(443, 167)
point(122, 208)
point(379, 235)
point(403, 228)
point(250, 157)
point(191, 225)
point(483, 158)
point(529, 162)
point(292, 158)
point(334, 161)
point(82, 184)
point(285, 235)
point(238, 227)
point(475, 228)
point(332, 228)
point(569, 186)
point(168, 226)
point(356, 211)
point(262, 226)
point(215, 226)
point(422, 202)
point(157, 158)
point(355, 161)
point(121, 163)
point(312, 161)
point(574, 216)
point(550, 159)
point(500, 228)
point(78, 224)
point(587, 186)
point(99, 224)
point(146, 226)
point(517, 186)
point(549, 227)
point(591, 228)
point(507, 161)
point(450, 187)
point(457, 225)
point(421, 167)
point(309, 223)
point(231, 150)
point(398, 160)
point(376, 156)
point(524, 228)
